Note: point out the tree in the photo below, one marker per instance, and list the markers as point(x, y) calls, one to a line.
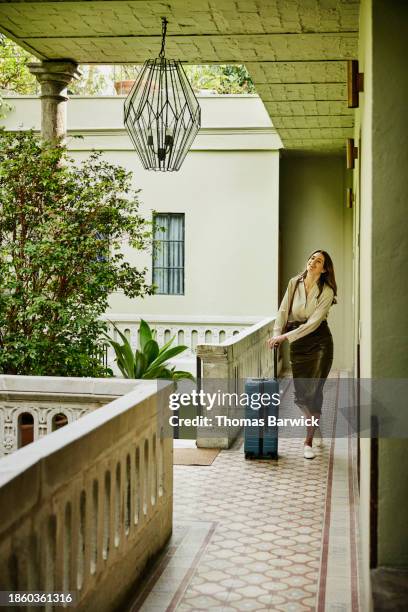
point(222, 79)
point(61, 230)
point(15, 77)
point(92, 82)
point(14, 74)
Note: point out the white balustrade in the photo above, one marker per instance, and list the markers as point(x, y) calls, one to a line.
point(227, 365)
point(84, 508)
point(188, 330)
point(38, 398)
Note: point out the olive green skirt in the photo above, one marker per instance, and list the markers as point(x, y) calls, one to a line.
point(311, 358)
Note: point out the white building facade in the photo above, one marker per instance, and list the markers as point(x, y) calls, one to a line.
point(226, 193)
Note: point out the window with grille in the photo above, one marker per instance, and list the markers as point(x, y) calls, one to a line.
point(168, 253)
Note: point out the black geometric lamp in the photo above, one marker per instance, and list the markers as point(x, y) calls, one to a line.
point(162, 114)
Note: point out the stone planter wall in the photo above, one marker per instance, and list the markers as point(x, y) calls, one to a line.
point(84, 508)
point(227, 365)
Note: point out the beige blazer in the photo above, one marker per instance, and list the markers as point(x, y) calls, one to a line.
point(310, 309)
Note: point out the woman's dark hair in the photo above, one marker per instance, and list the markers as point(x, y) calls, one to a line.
point(327, 277)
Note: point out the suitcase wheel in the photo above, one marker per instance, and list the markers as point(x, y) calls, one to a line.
point(249, 455)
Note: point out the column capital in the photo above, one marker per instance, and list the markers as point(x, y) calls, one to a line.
point(62, 71)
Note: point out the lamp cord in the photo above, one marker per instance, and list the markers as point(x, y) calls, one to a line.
point(164, 30)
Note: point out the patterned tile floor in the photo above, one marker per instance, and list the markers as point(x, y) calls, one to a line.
point(260, 535)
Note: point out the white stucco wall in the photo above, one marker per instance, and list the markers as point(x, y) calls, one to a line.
point(228, 189)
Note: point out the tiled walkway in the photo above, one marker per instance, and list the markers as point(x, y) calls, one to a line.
point(259, 535)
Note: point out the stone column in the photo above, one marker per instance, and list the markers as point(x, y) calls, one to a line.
point(54, 76)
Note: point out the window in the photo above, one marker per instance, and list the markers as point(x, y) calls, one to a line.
point(168, 253)
point(103, 254)
point(59, 420)
point(25, 429)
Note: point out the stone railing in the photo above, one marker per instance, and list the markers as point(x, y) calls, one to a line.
point(227, 365)
point(48, 402)
point(188, 330)
point(84, 508)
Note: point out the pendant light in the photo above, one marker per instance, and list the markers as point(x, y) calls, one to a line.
point(162, 114)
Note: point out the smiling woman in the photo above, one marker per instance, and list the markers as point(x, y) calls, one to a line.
point(302, 320)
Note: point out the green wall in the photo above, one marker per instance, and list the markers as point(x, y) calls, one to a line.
point(390, 257)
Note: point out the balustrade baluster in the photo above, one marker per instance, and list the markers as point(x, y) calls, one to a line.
point(67, 549)
point(94, 526)
point(118, 495)
point(128, 494)
point(145, 476)
point(153, 471)
point(81, 540)
point(137, 489)
point(107, 516)
point(161, 464)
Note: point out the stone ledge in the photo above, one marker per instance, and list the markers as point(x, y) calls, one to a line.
point(60, 385)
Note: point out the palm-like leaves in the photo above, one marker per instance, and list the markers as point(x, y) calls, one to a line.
point(150, 361)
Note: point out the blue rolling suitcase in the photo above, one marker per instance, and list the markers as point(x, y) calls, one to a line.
point(261, 441)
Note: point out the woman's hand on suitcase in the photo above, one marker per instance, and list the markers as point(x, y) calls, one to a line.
point(276, 341)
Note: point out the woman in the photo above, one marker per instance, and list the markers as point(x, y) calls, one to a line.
point(302, 320)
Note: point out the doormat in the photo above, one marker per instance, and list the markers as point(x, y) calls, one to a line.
point(194, 456)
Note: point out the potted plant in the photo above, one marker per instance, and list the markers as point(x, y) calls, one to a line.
point(150, 361)
point(122, 88)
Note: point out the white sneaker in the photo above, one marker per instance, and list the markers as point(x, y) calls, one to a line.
point(318, 439)
point(308, 452)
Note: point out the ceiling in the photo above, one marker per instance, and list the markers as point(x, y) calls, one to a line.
point(294, 50)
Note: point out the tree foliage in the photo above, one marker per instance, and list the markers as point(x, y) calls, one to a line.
point(217, 78)
point(221, 79)
point(14, 74)
point(92, 82)
point(61, 230)
point(15, 77)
